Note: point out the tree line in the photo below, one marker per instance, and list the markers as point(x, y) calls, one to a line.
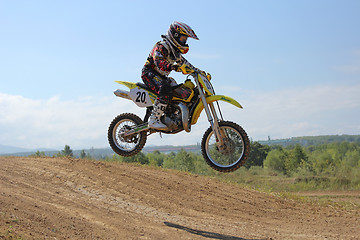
point(330, 165)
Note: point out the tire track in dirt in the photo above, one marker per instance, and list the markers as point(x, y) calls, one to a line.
point(84, 199)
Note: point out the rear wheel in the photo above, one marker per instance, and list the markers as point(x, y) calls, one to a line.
point(232, 154)
point(126, 145)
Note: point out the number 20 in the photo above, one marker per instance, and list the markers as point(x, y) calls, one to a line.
point(141, 96)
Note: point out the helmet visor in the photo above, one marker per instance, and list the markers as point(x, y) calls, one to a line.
point(183, 39)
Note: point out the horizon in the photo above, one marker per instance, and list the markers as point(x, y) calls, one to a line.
point(40, 149)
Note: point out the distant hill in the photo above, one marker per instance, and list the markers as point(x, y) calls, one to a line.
point(312, 140)
point(4, 149)
point(99, 153)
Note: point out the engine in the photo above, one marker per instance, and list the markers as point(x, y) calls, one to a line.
point(173, 119)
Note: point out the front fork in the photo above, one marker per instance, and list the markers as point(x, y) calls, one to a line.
point(213, 119)
point(214, 122)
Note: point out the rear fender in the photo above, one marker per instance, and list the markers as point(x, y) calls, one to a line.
point(140, 96)
point(130, 85)
point(123, 93)
point(211, 99)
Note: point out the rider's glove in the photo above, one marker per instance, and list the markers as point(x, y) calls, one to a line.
point(176, 67)
point(185, 69)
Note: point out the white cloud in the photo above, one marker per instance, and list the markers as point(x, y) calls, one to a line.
point(80, 123)
point(54, 122)
point(298, 112)
point(83, 122)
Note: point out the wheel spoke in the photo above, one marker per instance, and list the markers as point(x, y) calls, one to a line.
point(233, 150)
point(126, 145)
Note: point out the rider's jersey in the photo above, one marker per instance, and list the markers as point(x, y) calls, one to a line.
point(161, 58)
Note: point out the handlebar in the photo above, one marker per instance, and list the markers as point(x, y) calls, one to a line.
point(194, 70)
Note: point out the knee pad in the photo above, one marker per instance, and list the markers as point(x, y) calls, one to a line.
point(165, 93)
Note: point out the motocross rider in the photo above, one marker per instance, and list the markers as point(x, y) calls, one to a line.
point(166, 56)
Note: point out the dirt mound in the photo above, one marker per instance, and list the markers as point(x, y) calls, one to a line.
point(59, 198)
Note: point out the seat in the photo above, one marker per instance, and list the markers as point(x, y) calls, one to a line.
point(144, 86)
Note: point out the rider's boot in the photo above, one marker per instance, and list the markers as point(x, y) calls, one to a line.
point(154, 120)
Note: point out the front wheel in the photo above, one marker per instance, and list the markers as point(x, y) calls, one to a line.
point(126, 145)
point(234, 151)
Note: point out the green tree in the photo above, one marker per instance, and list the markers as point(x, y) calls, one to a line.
point(322, 162)
point(39, 154)
point(352, 158)
point(169, 161)
point(156, 158)
point(258, 153)
point(83, 154)
point(276, 160)
point(184, 161)
point(67, 151)
point(296, 157)
point(139, 158)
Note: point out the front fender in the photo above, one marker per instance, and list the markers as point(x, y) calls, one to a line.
point(211, 99)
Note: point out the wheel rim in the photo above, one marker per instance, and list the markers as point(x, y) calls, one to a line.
point(127, 144)
point(230, 153)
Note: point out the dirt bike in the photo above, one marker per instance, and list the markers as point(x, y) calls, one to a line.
point(225, 145)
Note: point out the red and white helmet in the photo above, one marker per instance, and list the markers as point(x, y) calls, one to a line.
point(178, 29)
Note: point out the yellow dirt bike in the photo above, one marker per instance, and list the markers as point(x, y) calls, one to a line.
point(225, 145)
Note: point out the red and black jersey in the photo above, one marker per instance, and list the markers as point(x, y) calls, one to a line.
point(161, 59)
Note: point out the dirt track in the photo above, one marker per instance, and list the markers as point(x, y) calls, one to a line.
point(55, 198)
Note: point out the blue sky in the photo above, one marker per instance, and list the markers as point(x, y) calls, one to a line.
point(293, 65)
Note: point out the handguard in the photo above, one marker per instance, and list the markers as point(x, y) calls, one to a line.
point(185, 69)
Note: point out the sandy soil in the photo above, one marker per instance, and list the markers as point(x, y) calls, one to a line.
point(59, 198)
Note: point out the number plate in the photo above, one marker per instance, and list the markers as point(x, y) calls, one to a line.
point(140, 97)
point(207, 84)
